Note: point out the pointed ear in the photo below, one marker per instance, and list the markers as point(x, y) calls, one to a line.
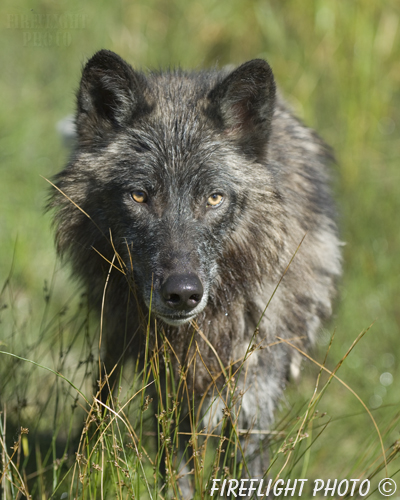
point(111, 95)
point(242, 105)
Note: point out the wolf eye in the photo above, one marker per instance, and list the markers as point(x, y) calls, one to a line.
point(215, 200)
point(139, 196)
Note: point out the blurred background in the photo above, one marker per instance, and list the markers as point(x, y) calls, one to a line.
point(338, 65)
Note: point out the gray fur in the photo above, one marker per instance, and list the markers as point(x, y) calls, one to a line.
point(182, 136)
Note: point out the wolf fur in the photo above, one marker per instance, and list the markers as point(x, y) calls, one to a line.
point(153, 152)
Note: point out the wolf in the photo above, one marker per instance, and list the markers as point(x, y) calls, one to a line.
point(186, 196)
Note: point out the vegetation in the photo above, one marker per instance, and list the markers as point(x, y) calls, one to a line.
point(338, 64)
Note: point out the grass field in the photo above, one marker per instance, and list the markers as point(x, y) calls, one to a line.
point(338, 64)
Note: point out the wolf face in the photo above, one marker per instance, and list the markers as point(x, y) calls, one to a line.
point(169, 164)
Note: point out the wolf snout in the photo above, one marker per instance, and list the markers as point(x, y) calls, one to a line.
point(182, 292)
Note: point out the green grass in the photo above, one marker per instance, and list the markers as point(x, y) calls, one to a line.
point(337, 63)
point(118, 451)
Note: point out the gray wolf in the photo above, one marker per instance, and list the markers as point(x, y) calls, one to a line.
point(194, 191)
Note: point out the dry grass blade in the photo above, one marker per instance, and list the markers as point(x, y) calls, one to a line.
point(102, 313)
point(332, 374)
point(109, 262)
point(75, 204)
point(280, 281)
point(306, 415)
point(88, 216)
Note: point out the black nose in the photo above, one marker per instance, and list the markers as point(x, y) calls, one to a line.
point(182, 292)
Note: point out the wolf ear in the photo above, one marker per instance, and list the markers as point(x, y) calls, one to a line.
point(242, 105)
point(110, 94)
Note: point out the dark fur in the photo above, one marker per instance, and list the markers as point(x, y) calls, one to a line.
point(182, 136)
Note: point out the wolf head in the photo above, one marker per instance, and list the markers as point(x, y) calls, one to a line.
point(165, 170)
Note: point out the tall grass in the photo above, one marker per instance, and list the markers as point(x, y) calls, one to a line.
point(144, 434)
point(337, 63)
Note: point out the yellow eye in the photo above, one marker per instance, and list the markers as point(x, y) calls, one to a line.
point(215, 200)
point(139, 196)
